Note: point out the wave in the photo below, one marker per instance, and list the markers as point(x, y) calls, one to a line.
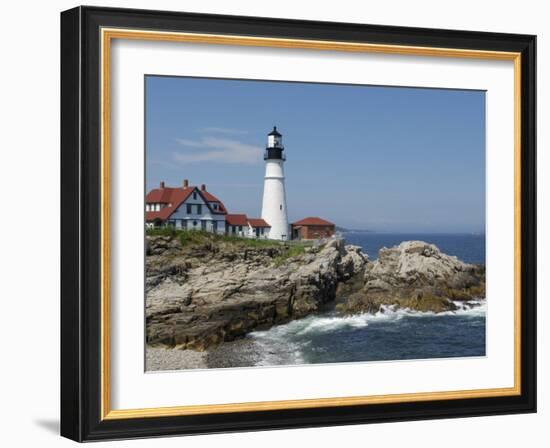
point(286, 344)
point(332, 322)
point(470, 308)
point(314, 324)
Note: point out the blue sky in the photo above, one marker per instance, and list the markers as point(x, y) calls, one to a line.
point(388, 159)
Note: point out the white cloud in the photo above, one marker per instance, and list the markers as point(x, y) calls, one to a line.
point(191, 143)
point(221, 150)
point(228, 131)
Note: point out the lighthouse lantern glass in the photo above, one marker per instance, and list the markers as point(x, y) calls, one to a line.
point(274, 141)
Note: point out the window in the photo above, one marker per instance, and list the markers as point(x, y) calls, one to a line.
point(194, 223)
point(195, 195)
point(281, 207)
point(240, 228)
point(189, 209)
point(215, 206)
point(199, 209)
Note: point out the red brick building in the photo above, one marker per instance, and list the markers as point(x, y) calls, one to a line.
point(312, 228)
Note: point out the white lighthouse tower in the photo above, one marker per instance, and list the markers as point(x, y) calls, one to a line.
point(274, 201)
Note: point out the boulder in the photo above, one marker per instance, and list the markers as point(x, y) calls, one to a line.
point(352, 262)
point(419, 276)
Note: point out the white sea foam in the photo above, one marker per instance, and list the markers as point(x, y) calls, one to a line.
point(473, 308)
point(277, 350)
point(314, 324)
point(328, 323)
point(285, 344)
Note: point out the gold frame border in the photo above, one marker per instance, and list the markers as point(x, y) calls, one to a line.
point(107, 35)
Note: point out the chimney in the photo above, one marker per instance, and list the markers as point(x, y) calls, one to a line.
point(203, 187)
point(162, 184)
point(185, 183)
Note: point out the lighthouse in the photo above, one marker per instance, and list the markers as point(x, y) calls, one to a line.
point(274, 200)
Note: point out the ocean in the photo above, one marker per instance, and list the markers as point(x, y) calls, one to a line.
point(389, 334)
point(469, 248)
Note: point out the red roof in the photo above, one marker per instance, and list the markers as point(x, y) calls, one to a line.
point(257, 222)
point(175, 197)
point(312, 221)
point(166, 195)
point(209, 197)
point(236, 220)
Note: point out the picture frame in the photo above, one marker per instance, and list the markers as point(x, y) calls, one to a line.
point(86, 209)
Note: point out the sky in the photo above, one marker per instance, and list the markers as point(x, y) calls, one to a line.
point(386, 159)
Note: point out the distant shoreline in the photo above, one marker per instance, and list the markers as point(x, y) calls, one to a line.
point(343, 230)
point(383, 232)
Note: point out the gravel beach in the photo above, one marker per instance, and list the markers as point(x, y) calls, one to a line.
point(157, 358)
point(239, 353)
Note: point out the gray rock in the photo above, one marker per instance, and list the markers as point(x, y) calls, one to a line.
point(352, 262)
point(201, 296)
point(416, 275)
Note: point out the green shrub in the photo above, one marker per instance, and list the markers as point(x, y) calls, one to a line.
point(291, 251)
point(161, 231)
point(200, 237)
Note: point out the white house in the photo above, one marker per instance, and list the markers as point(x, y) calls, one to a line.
point(191, 208)
point(243, 226)
point(258, 228)
point(186, 207)
point(237, 224)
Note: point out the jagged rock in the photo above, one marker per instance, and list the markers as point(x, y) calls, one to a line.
point(202, 295)
point(352, 262)
point(419, 276)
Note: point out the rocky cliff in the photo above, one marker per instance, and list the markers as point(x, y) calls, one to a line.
point(203, 294)
point(414, 275)
point(199, 294)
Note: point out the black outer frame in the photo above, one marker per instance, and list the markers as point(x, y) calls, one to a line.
point(80, 223)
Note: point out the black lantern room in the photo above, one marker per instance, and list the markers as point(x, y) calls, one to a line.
point(275, 148)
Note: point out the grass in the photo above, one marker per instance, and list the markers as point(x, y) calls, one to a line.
point(292, 251)
point(202, 237)
point(161, 231)
point(199, 237)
